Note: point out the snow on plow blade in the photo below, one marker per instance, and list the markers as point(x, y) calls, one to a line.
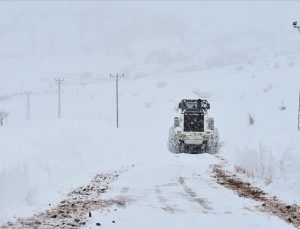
point(194, 138)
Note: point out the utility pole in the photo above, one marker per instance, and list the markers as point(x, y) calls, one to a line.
point(296, 26)
point(117, 95)
point(28, 93)
point(59, 80)
point(299, 112)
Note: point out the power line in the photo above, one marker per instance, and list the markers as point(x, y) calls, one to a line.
point(59, 81)
point(117, 95)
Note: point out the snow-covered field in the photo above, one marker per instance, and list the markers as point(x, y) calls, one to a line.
point(244, 57)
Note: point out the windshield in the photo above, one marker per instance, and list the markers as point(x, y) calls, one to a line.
point(191, 105)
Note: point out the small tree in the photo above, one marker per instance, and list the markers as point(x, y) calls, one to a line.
point(3, 115)
point(282, 106)
point(250, 119)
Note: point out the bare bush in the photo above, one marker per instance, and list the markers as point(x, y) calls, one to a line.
point(282, 107)
point(250, 119)
point(3, 115)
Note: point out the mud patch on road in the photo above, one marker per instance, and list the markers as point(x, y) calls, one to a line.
point(193, 196)
point(74, 211)
point(288, 212)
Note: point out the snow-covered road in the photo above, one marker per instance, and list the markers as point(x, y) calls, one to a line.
point(172, 191)
point(178, 191)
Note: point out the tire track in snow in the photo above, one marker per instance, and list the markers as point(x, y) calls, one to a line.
point(168, 207)
point(164, 205)
point(193, 196)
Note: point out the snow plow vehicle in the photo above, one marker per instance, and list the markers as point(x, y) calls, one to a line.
point(193, 131)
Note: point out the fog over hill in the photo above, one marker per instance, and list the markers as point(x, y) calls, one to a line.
point(151, 36)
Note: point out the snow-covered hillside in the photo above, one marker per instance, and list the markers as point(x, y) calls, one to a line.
point(244, 57)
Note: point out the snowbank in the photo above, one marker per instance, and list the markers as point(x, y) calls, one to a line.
point(42, 161)
point(273, 162)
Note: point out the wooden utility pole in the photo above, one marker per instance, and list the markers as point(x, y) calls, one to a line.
point(117, 96)
point(59, 80)
point(299, 112)
point(28, 93)
point(296, 26)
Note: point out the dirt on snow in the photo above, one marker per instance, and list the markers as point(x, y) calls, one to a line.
point(74, 211)
point(288, 212)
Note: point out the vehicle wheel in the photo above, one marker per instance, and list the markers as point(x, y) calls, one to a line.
point(174, 145)
point(186, 148)
point(212, 146)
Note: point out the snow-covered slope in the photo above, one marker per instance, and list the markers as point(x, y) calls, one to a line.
point(243, 56)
